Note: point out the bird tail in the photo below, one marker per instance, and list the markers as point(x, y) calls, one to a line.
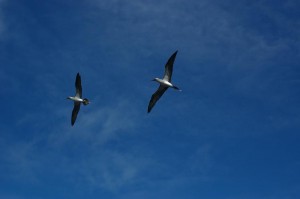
point(176, 88)
point(85, 101)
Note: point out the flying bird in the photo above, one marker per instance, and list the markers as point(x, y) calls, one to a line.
point(165, 83)
point(77, 99)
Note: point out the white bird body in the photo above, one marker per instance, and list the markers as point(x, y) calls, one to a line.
point(76, 99)
point(163, 82)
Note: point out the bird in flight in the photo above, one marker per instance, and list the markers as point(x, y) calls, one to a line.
point(77, 99)
point(165, 83)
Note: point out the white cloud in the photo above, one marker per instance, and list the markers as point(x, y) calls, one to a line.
point(203, 30)
point(18, 160)
point(97, 164)
point(113, 170)
point(96, 123)
point(199, 34)
point(97, 126)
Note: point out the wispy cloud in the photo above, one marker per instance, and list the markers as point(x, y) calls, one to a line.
point(113, 170)
point(18, 160)
point(101, 166)
point(225, 67)
point(97, 123)
point(101, 159)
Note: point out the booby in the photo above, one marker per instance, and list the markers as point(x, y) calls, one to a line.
point(77, 99)
point(165, 83)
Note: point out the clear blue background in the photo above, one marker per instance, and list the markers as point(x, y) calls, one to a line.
point(232, 133)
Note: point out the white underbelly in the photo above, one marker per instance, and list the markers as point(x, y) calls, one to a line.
point(166, 83)
point(76, 99)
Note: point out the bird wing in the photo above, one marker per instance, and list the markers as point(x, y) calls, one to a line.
point(169, 67)
point(78, 86)
point(155, 97)
point(75, 112)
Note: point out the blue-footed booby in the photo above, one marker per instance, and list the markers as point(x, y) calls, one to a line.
point(77, 99)
point(165, 83)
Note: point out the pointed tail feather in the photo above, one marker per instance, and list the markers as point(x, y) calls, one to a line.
point(176, 88)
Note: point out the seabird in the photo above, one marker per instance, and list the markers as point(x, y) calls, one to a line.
point(165, 83)
point(77, 99)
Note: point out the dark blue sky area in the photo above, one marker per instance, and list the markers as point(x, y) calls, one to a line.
point(232, 133)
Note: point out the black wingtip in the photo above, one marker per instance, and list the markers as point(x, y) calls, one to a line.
point(72, 122)
point(149, 110)
point(173, 56)
point(78, 78)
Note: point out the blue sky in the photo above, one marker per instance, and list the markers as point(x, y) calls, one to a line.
point(232, 133)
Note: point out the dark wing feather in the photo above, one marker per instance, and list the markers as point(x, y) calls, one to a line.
point(155, 97)
point(169, 67)
point(78, 86)
point(75, 112)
